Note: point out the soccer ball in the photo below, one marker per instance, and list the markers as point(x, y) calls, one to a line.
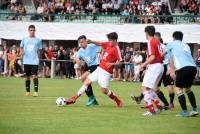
point(60, 101)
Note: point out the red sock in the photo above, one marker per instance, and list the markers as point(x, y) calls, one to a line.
point(115, 98)
point(157, 103)
point(151, 108)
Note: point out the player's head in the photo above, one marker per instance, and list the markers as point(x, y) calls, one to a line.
point(158, 36)
point(178, 35)
point(149, 31)
point(31, 30)
point(82, 40)
point(112, 37)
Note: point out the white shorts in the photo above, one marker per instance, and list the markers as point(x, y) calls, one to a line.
point(101, 76)
point(137, 69)
point(153, 75)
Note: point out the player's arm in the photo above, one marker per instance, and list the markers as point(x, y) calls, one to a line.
point(172, 68)
point(98, 43)
point(148, 61)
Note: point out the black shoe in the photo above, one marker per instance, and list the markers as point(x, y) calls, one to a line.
point(136, 99)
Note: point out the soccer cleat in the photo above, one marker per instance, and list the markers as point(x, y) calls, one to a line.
point(72, 100)
point(183, 114)
point(92, 101)
point(194, 112)
point(136, 99)
point(35, 94)
point(28, 94)
point(119, 103)
point(147, 113)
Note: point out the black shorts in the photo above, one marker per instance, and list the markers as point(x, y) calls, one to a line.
point(48, 64)
point(166, 79)
point(92, 68)
point(30, 69)
point(185, 76)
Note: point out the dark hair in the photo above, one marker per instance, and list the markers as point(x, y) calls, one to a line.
point(150, 30)
point(178, 35)
point(112, 36)
point(31, 26)
point(82, 37)
point(157, 34)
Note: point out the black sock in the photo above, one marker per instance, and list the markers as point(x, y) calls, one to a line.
point(161, 96)
point(192, 99)
point(89, 91)
point(27, 84)
point(182, 101)
point(35, 80)
point(141, 96)
point(171, 96)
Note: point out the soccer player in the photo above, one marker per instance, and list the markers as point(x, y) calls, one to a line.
point(89, 54)
point(154, 71)
point(102, 74)
point(30, 47)
point(166, 79)
point(168, 82)
point(183, 70)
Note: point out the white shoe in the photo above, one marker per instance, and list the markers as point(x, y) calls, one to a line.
point(148, 114)
point(194, 113)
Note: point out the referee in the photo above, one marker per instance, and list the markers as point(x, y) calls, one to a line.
point(30, 47)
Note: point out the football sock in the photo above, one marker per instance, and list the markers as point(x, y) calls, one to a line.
point(148, 100)
point(171, 96)
point(192, 99)
point(182, 101)
point(82, 90)
point(89, 91)
point(27, 84)
point(35, 81)
point(161, 96)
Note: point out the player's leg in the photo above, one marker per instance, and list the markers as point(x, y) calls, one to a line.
point(148, 100)
point(103, 81)
point(192, 100)
point(89, 92)
point(27, 71)
point(171, 95)
point(35, 79)
point(93, 77)
point(192, 71)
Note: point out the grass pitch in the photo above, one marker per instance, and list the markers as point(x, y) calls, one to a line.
point(29, 115)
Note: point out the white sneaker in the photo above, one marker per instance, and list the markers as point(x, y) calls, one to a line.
point(194, 113)
point(148, 113)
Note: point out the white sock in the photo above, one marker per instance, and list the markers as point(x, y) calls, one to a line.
point(147, 97)
point(82, 90)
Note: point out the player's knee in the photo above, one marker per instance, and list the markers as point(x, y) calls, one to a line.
point(104, 90)
point(87, 82)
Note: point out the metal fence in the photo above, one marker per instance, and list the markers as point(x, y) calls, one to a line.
point(113, 19)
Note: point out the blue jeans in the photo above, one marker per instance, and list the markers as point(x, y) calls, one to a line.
point(1, 65)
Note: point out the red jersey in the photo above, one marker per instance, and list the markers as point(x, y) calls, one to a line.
point(154, 48)
point(111, 55)
point(50, 54)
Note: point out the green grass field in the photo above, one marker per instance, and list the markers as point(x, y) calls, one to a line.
point(29, 115)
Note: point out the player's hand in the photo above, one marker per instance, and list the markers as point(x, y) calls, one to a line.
point(172, 74)
point(141, 68)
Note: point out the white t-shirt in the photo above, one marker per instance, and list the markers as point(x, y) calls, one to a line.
point(137, 59)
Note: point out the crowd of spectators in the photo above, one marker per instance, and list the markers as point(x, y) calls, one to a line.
point(15, 6)
point(190, 6)
point(125, 8)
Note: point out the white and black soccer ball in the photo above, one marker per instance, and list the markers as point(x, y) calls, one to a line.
point(60, 101)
